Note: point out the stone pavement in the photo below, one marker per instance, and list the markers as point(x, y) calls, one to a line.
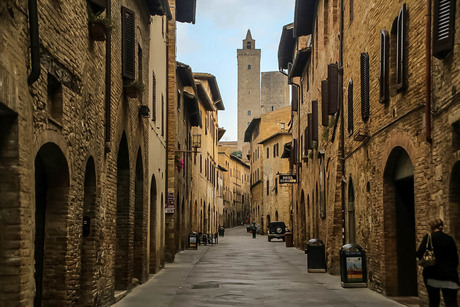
point(241, 271)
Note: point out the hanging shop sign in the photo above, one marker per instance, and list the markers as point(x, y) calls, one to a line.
point(170, 206)
point(287, 178)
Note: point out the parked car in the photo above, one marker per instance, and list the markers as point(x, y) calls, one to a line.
point(276, 230)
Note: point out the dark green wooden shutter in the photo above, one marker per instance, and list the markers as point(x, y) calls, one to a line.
point(128, 43)
point(365, 86)
point(443, 27)
point(333, 95)
point(384, 66)
point(350, 106)
point(401, 50)
point(324, 104)
point(314, 110)
point(294, 98)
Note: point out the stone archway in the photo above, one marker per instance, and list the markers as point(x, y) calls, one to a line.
point(399, 224)
point(153, 265)
point(123, 264)
point(87, 294)
point(140, 240)
point(51, 206)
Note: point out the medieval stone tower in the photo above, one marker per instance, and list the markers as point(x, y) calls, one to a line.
point(248, 85)
point(256, 96)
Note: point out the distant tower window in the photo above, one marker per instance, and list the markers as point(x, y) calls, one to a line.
point(282, 126)
point(249, 112)
point(249, 66)
point(273, 108)
point(248, 45)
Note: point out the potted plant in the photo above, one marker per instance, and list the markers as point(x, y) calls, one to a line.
point(133, 89)
point(98, 26)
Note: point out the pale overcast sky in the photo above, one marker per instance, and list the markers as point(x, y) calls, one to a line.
point(221, 25)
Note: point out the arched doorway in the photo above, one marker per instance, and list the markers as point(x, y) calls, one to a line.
point(51, 206)
point(399, 213)
point(89, 238)
point(122, 255)
point(153, 227)
point(454, 200)
point(351, 225)
point(140, 242)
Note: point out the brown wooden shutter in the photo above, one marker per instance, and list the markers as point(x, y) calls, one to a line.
point(324, 103)
point(154, 97)
point(401, 50)
point(128, 43)
point(314, 110)
point(295, 98)
point(443, 27)
point(384, 66)
point(333, 95)
point(365, 86)
point(310, 130)
point(305, 133)
point(350, 106)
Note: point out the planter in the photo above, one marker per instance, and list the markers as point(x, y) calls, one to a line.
point(97, 31)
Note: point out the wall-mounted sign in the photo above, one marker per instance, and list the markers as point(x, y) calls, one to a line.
point(288, 178)
point(170, 207)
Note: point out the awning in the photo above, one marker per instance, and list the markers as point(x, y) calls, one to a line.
point(185, 11)
point(220, 133)
point(158, 7)
point(204, 97)
point(222, 168)
point(304, 17)
point(287, 151)
point(286, 46)
point(193, 111)
point(184, 72)
point(215, 92)
point(300, 61)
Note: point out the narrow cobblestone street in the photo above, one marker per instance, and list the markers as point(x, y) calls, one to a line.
point(243, 271)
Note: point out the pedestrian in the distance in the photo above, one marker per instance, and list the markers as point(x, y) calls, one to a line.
point(254, 230)
point(442, 276)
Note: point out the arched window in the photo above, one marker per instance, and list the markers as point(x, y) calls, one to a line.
point(248, 45)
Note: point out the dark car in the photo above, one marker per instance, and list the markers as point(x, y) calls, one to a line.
point(276, 230)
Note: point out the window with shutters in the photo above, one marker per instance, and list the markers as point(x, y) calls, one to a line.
point(351, 10)
point(314, 110)
point(295, 98)
point(365, 86)
point(268, 152)
point(303, 146)
point(268, 187)
point(401, 50)
point(154, 97)
point(350, 107)
point(333, 86)
point(178, 100)
point(384, 66)
point(443, 27)
point(128, 43)
point(326, 22)
point(324, 104)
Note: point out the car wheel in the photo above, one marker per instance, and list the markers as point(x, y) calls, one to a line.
point(279, 230)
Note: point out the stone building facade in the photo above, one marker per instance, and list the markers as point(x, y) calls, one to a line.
point(260, 129)
point(81, 214)
point(375, 139)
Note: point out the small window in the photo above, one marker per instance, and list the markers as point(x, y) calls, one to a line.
point(178, 100)
point(268, 187)
point(401, 50)
point(384, 66)
point(365, 86)
point(249, 112)
point(273, 108)
point(268, 152)
point(443, 27)
point(351, 10)
point(350, 107)
point(248, 45)
point(55, 100)
point(249, 66)
point(314, 110)
point(282, 126)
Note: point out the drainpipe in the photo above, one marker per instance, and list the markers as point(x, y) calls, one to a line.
point(428, 73)
point(108, 80)
point(34, 42)
point(342, 126)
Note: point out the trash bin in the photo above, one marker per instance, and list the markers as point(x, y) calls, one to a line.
point(289, 240)
point(221, 231)
point(316, 256)
point(353, 271)
point(192, 241)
